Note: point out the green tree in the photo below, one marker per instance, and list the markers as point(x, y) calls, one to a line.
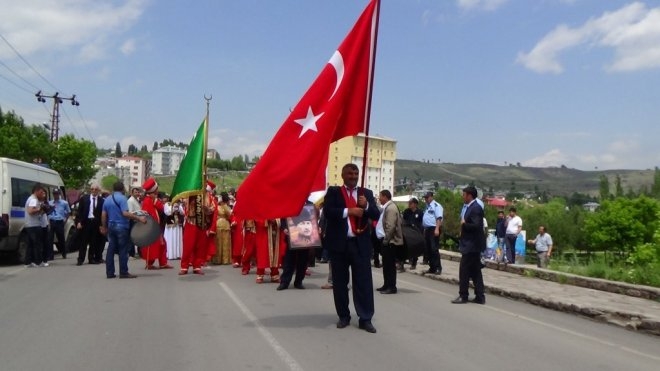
point(604, 186)
point(618, 189)
point(238, 163)
point(155, 146)
point(74, 160)
point(118, 152)
point(621, 224)
point(23, 142)
point(108, 181)
point(132, 150)
point(655, 188)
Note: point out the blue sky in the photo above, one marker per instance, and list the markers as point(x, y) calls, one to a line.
point(540, 82)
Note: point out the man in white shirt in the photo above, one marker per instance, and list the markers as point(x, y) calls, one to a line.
point(513, 229)
point(133, 206)
point(543, 242)
point(33, 217)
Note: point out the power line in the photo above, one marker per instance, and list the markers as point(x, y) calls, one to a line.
point(70, 122)
point(85, 125)
point(15, 84)
point(28, 63)
point(19, 76)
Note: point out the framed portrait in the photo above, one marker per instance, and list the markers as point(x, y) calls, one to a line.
point(303, 229)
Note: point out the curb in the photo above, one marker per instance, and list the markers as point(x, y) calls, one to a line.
point(622, 288)
point(630, 321)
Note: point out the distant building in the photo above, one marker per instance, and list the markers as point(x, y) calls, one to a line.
point(380, 167)
point(591, 206)
point(212, 154)
point(133, 171)
point(166, 160)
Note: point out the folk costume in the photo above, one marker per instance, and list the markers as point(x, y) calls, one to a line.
point(236, 240)
point(223, 236)
point(174, 230)
point(270, 250)
point(197, 230)
point(250, 227)
point(154, 207)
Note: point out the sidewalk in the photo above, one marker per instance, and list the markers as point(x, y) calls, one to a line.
point(633, 313)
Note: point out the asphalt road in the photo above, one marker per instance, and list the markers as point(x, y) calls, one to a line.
point(65, 317)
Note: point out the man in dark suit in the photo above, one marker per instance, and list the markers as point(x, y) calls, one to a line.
point(471, 244)
point(348, 210)
point(88, 221)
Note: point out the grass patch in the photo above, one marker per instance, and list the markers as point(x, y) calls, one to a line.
point(599, 267)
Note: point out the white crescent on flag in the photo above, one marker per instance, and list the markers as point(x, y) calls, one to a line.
point(337, 61)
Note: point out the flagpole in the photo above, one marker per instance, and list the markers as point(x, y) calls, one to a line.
point(206, 140)
point(370, 94)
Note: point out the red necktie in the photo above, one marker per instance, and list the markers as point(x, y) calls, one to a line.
point(350, 204)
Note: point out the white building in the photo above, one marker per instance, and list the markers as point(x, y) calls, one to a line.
point(132, 171)
point(166, 160)
point(381, 157)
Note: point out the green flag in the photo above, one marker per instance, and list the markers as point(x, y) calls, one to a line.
point(190, 180)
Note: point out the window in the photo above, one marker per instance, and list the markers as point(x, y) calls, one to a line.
point(21, 189)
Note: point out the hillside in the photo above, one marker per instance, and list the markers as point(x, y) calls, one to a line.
point(554, 180)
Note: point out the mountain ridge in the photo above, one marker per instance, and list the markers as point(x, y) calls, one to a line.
point(554, 180)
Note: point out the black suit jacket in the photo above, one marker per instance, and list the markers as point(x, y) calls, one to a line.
point(337, 226)
point(82, 216)
point(472, 238)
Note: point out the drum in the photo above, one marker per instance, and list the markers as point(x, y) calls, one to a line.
point(145, 234)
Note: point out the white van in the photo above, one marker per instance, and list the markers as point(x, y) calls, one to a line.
point(16, 181)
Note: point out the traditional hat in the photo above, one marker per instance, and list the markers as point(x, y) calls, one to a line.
point(150, 185)
point(210, 186)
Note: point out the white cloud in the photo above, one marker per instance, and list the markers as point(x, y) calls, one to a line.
point(633, 31)
point(554, 157)
point(128, 47)
point(230, 143)
point(487, 5)
point(33, 26)
point(624, 146)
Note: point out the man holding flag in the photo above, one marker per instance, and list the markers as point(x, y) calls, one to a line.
point(337, 105)
point(191, 186)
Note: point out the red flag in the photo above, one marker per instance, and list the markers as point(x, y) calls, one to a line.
point(335, 106)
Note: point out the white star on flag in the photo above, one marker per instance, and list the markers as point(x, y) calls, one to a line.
point(309, 122)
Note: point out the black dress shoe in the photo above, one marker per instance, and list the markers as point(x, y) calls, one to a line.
point(112, 276)
point(389, 291)
point(382, 288)
point(79, 263)
point(282, 286)
point(431, 272)
point(127, 275)
point(299, 286)
point(459, 300)
point(343, 323)
point(481, 301)
point(368, 327)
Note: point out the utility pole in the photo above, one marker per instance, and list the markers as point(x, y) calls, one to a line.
point(55, 116)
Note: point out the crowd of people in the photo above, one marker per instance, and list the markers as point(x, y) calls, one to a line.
point(349, 229)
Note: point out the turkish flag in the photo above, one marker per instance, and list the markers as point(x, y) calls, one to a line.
point(335, 106)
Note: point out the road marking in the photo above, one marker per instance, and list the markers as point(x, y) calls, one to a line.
point(544, 324)
point(268, 336)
